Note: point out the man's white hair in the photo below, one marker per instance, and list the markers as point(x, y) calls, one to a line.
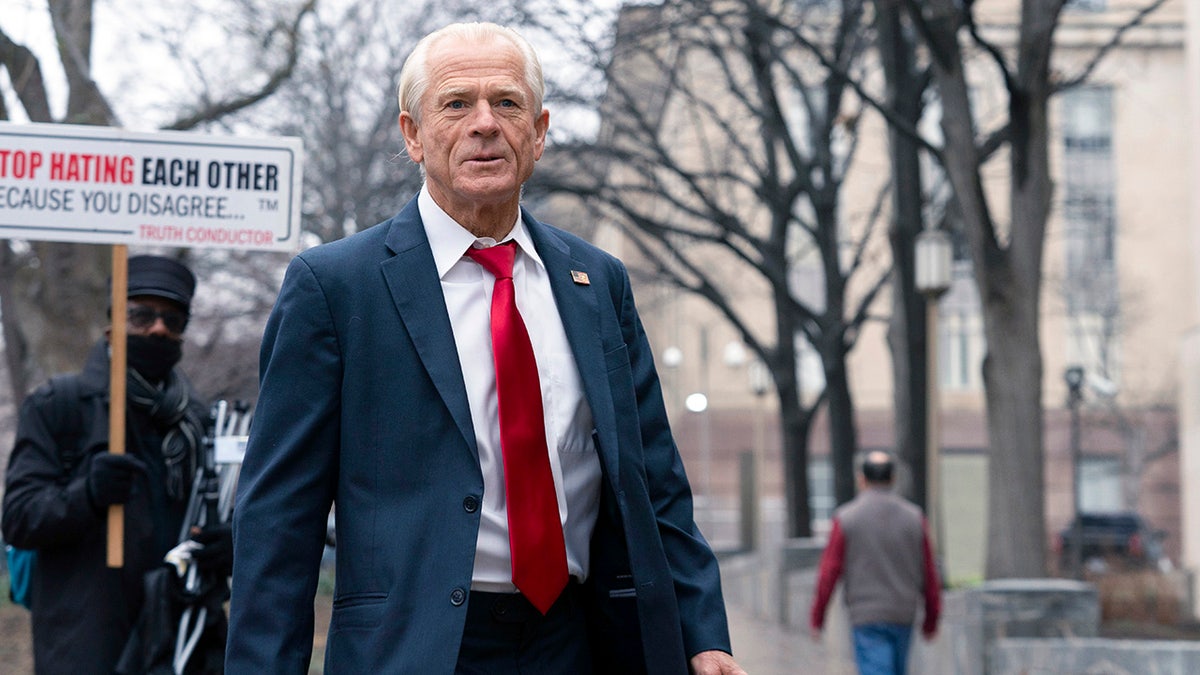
point(414, 76)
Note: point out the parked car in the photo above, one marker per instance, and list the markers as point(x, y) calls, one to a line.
point(1123, 537)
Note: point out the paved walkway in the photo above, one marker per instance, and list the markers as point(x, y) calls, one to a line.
point(764, 647)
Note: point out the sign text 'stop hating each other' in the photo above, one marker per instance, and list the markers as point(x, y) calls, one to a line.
point(103, 185)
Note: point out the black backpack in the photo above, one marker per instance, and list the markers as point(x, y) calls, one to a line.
point(66, 424)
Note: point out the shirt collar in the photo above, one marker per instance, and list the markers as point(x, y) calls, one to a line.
point(449, 240)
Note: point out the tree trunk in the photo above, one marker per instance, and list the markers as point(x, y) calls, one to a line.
point(1011, 285)
point(1008, 275)
point(65, 294)
point(795, 420)
point(52, 299)
point(1013, 377)
point(795, 425)
point(843, 435)
point(907, 337)
point(16, 349)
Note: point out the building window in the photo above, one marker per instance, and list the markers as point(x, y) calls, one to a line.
point(1089, 229)
point(1086, 5)
point(800, 107)
point(804, 4)
point(961, 343)
point(960, 347)
point(820, 490)
point(808, 284)
point(1100, 484)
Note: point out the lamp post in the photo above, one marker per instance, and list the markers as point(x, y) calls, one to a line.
point(697, 402)
point(1074, 378)
point(933, 257)
point(760, 383)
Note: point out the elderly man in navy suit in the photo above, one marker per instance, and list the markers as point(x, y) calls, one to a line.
point(474, 391)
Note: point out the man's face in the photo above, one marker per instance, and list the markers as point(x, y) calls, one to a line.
point(479, 135)
point(151, 315)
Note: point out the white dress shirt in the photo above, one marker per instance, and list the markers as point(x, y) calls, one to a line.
point(467, 288)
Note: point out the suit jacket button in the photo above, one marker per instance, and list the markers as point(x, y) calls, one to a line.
point(471, 504)
point(457, 597)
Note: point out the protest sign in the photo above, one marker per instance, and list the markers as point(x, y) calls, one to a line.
point(111, 186)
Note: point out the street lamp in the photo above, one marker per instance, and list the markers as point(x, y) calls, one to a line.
point(736, 357)
point(760, 378)
point(672, 356)
point(934, 255)
point(734, 354)
point(760, 381)
point(1074, 378)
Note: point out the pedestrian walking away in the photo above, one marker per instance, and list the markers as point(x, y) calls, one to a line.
point(879, 547)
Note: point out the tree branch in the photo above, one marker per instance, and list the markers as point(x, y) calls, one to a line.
point(991, 49)
point(1109, 46)
point(1167, 447)
point(896, 121)
point(86, 104)
point(941, 42)
point(994, 142)
point(25, 73)
point(219, 109)
point(851, 331)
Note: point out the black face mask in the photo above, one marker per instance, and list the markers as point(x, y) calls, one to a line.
point(153, 355)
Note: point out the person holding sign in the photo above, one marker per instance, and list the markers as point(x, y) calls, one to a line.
point(61, 480)
point(474, 391)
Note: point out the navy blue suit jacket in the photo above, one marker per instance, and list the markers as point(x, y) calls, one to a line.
point(362, 403)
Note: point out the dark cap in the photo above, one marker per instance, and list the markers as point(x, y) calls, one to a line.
point(162, 277)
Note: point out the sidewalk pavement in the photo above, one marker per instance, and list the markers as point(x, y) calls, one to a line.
point(762, 647)
point(765, 647)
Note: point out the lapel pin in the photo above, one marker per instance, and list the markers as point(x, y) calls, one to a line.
point(580, 278)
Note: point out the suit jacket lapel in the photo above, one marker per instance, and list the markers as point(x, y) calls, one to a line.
point(412, 278)
point(579, 310)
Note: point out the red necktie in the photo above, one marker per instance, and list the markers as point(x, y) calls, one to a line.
point(539, 557)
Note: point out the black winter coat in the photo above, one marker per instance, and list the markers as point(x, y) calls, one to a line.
point(84, 611)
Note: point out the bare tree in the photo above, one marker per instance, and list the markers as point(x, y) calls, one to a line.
point(49, 292)
point(724, 146)
point(343, 103)
point(1007, 257)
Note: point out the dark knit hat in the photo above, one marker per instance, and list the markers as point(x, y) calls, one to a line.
point(162, 277)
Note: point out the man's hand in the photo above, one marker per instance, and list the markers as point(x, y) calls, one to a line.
point(714, 662)
point(217, 554)
point(110, 478)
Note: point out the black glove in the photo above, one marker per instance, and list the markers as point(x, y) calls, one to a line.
point(110, 478)
point(217, 554)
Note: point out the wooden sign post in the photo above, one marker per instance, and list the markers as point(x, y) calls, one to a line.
point(100, 185)
point(116, 399)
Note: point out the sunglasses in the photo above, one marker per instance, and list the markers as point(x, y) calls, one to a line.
point(142, 317)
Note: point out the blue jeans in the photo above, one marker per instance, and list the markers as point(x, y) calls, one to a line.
point(882, 648)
